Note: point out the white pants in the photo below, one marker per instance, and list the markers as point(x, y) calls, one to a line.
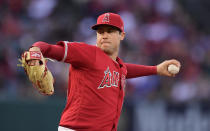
point(60, 128)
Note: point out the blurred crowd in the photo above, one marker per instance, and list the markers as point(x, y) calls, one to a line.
point(156, 30)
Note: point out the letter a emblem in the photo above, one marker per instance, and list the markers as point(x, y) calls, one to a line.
point(106, 18)
point(106, 82)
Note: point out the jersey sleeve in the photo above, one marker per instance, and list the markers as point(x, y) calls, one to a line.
point(78, 54)
point(134, 70)
point(49, 50)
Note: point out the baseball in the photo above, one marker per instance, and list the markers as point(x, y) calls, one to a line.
point(173, 69)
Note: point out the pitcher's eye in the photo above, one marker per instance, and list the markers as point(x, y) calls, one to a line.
point(110, 31)
point(100, 31)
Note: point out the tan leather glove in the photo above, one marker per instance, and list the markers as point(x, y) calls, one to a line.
point(38, 74)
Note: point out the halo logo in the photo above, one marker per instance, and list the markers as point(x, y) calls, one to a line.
point(106, 18)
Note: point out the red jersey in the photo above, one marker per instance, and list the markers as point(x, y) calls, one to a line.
point(95, 91)
point(96, 85)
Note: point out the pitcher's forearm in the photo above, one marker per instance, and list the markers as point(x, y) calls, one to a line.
point(48, 50)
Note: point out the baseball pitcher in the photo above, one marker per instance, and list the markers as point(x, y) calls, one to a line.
point(97, 76)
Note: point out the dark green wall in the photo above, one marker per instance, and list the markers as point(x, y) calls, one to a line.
point(30, 115)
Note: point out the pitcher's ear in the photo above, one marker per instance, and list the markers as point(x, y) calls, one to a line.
point(122, 35)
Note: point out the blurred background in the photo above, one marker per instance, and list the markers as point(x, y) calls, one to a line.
point(156, 30)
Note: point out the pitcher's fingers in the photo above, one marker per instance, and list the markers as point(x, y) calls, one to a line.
point(175, 62)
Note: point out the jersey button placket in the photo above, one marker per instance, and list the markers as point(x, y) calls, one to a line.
point(119, 96)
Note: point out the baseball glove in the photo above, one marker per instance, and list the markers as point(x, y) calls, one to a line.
point(38, 74)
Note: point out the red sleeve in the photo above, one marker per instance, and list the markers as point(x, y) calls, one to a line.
point(78, 54)
point(134, 70)
point(50, 51)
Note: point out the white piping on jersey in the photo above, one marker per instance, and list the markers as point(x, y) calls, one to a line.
point(66, 50)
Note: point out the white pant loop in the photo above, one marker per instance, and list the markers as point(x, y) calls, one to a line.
point(60, 128)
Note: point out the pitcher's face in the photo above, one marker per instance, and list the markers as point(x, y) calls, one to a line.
point(108, 38)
